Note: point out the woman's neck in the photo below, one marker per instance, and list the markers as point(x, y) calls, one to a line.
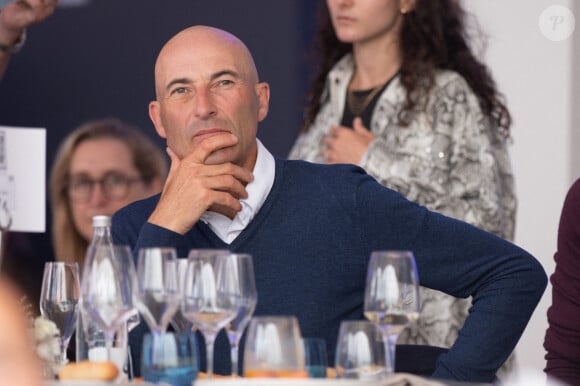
point(376, 62)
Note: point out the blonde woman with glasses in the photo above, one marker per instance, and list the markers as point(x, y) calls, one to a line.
point(100, 167)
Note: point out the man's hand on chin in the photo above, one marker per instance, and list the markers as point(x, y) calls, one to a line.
point(192, 187)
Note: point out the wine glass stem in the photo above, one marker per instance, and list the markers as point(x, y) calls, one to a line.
point(109, 338)
point(209, 341)
point(63, 347)
point(156, 339)
point(234, 354)
point(390, 341)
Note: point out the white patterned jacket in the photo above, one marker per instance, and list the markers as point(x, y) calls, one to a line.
point(448, 158)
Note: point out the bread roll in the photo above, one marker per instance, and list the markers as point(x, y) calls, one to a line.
point(86, 370)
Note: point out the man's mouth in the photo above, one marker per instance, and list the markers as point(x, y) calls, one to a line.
point(206, 133)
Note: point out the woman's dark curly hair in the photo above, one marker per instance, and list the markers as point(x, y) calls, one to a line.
point(433, 36)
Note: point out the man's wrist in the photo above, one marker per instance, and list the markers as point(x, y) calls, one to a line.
point(16, 46)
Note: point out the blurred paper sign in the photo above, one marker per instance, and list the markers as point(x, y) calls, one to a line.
point(22, 179)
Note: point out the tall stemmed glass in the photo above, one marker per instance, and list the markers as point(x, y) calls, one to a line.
point(392, 296)
point(158, 288)
point(180, 322)
point(207, 301)
point(240, 278)
point(59, 299)
point(107, 289)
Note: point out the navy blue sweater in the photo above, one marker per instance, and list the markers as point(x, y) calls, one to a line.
point(311, 243)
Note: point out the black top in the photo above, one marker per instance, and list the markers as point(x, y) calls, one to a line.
point(348, 116)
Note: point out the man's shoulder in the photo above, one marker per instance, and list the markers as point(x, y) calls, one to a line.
point(306, 176)
point(308, 169)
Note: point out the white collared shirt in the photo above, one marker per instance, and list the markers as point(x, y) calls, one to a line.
point(264, 170)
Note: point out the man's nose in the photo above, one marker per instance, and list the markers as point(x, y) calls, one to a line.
point(205, 106)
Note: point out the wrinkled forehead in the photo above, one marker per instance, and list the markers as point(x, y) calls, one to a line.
point(200, 52)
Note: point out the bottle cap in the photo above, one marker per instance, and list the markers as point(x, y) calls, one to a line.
point(101, 221)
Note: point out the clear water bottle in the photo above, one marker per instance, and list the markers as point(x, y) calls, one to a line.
point(87, 331)
point(90, 338)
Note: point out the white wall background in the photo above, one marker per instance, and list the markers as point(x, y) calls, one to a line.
point(537, 77)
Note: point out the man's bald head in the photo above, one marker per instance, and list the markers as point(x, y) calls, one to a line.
point(197, 39)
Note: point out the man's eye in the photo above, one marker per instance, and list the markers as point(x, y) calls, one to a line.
point(225, 82)
point(179, 90)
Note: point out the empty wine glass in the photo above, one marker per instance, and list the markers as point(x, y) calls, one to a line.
point(107, 289)
point(157, 287)
point(274, 348)
point(392, 296)
point(59, 299)
point(206, 300)
point(180, 322)
point(360, 352)
point(240, 278)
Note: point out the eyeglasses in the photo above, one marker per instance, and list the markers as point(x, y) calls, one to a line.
point(114, 187)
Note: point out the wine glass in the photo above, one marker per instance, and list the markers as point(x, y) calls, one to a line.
point(158, 287)
point(180, 322)
point(274, 348)
point(392, 296)
point(107, 289)
point(240, 278)
point(360, 352)
point(206, 301)
point(59, 299)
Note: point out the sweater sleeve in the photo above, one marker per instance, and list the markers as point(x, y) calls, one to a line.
point(562, 341)
point(130, 227)
point(506, 282)
point(447, 158)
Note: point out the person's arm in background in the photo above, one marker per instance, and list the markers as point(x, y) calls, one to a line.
point(15, 17)
point(562, 341)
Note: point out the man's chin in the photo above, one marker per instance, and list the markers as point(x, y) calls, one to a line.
point(220, 156)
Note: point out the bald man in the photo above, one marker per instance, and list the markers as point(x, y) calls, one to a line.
point(309, 228)
point(19, 364)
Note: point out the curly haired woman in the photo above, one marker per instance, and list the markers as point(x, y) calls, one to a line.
point(400, 93)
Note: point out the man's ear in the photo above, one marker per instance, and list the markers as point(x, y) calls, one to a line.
point(263, 93)
point(155, 115)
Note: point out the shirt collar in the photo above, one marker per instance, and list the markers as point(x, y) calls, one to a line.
point(258, 190)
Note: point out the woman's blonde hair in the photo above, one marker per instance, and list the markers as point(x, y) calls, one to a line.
point(69, 244)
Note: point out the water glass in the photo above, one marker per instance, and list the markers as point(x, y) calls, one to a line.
point(360, 352)
point(59, 299)
point(240, 280)
point(274, 348)
point(207, 301)
point(157, 286)
point(180, 322)
point(315, 357)
point(169, 358)
point(107, 288)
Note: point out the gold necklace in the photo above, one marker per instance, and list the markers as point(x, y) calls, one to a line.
point(358, 105)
